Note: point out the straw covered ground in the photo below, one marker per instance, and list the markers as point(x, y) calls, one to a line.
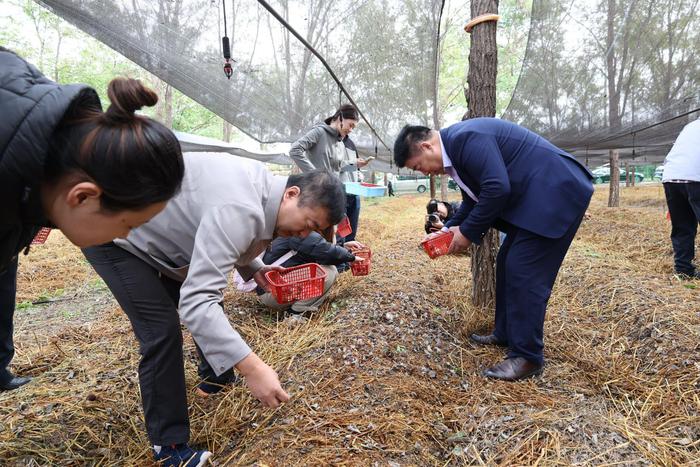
point(384, 375)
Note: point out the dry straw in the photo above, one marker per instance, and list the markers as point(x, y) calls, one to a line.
point(384, 374)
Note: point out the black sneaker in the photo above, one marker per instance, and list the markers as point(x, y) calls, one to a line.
point(212, 386)
point(180, 455)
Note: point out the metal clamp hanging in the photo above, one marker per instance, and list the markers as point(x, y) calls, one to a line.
point(228, 68)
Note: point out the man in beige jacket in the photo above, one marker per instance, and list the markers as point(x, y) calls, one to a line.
point(175, 268)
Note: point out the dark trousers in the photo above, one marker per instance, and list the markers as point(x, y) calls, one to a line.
point(683, 201)
point(352, 210)
point(8, 292)
point(526, 267)
point(150, 301)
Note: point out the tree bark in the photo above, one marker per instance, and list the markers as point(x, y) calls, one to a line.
point(627, 174)
point(614, 198)
point(227, 130)
point(633, 177)
point(444, 180)
point(432, 186)
point(164, 107)
point(481, 79)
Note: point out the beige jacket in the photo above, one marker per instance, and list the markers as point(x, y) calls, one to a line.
point(223, 217)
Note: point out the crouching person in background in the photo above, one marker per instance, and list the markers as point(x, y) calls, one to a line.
point(175, 269)
point(294, 251)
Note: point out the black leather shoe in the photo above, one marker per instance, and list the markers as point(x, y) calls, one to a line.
point(487, 340)
point(14, 383)
point(513, 369)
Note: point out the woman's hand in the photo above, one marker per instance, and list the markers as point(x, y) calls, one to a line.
point(262, 381)
point(260, 279)
point(460, 243)
point(362, 163)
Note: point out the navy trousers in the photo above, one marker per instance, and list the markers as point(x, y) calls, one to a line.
point(8, 291)
point(526, 267)
point(683, 201)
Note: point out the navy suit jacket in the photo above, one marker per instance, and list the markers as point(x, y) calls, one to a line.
point(518, 177)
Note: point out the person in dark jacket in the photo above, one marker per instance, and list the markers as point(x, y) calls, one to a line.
point(312, 249)
point(439, 212)
point(67, 165)
point(520, 183)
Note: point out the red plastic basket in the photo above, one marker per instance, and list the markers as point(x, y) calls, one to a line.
point(438, 245)
point(344, 228)
point(296, 283)
point(361, 268)
point(41, 236)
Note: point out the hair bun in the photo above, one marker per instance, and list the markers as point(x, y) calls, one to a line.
point(128, 95)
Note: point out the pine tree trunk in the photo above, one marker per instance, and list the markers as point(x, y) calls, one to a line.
point(164, 107)
point(227, 131)
point(444, 180)
point(432, 186)
point(614, 199)
point(483, 62)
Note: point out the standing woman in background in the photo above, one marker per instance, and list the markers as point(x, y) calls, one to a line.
point(67, 165)
point(328, 146)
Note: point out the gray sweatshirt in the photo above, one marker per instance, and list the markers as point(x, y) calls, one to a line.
point(223, 217)
point(321, 148)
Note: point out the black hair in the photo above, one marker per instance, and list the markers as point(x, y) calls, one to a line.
point(320, 188)
point(135, 160)
point(407, 138)
point(432, 207)
point(344, 111)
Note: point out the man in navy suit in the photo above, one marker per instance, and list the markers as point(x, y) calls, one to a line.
point(518, 182)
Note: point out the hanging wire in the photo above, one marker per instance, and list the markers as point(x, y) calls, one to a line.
point(226, 45)
point(218, 24)
point(223, 2)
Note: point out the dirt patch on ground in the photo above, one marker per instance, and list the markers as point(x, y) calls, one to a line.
point(384, 375)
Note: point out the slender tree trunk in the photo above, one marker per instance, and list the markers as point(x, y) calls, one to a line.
point(614, 198)
point(227, 130)
point(432, 186)
point(56, 57)
point(611, 68)
point(168, 106)
point(483, 62)
point(164, 107)
point(633, 178)
point(627, 174)
point(444, 180)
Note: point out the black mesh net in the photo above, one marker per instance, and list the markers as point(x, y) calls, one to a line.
point(597, 74)
point(602, 75)
point(381, 51)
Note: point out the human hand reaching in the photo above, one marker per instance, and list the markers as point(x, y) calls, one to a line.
point(262, 381)
point(260, 278)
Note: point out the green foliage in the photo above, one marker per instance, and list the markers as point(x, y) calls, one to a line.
point(66, 54)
